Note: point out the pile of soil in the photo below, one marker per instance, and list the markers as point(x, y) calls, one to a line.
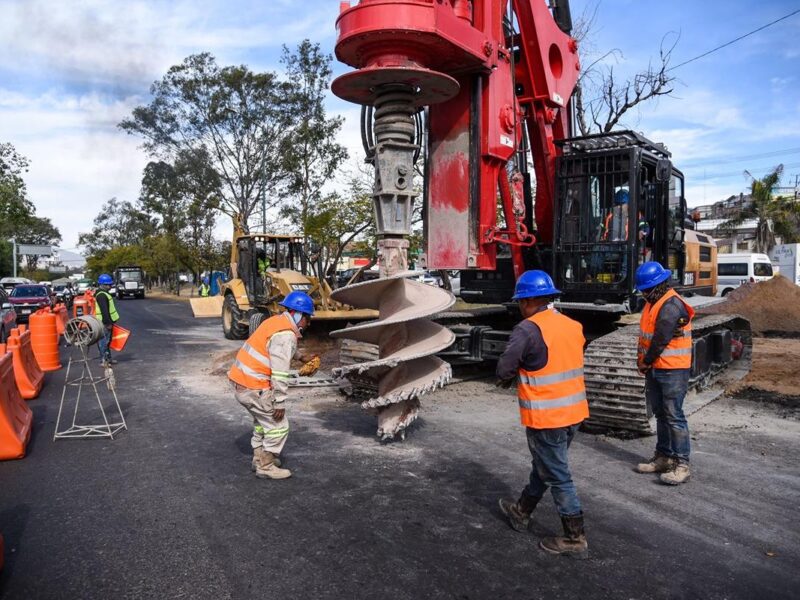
point(775, 370)
point(771, 306)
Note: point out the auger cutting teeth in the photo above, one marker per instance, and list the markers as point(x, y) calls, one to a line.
point(405, 368)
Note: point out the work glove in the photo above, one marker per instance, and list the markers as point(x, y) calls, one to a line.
point(642, 367)
point(278, 414)
point(505, 383)
point(311, 367)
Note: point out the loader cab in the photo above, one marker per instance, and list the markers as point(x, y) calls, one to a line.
point(619, 203)
point(263, 258)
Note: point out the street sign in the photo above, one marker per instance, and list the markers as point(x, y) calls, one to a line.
point(31, 249)
point(57, 269)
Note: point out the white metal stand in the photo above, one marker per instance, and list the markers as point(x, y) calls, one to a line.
point(86, 379)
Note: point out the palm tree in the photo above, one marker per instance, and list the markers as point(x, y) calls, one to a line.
point(774, 215)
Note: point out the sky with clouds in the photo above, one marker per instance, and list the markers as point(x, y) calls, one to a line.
point(70, 71)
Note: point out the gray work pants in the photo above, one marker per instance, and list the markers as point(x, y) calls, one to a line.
point(267, 432)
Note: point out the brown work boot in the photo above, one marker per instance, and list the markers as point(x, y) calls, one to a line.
point(658, 464)
point(258, 457)
point(267, 469)
point(519, 512)
point(680, 474)
point(573, 544)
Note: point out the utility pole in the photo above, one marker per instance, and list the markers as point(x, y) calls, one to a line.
point(264, 191)
point(14, 254)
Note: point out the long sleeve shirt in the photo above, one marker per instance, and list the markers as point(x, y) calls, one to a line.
point(282, 347)
point(525, 348)
point(672, 311)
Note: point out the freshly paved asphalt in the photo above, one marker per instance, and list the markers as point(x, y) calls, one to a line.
point(170, 508)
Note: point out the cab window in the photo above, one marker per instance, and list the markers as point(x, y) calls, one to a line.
point(762, 270)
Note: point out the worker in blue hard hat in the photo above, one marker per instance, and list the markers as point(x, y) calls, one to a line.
point(545, 355)
point(105, 310)
point(665, 359)
point(260, 377)
point(205, 288)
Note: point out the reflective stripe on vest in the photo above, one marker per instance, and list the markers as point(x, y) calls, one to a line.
point(252, 367)
point(678, 352)
point(112, 308)
point(555, 395)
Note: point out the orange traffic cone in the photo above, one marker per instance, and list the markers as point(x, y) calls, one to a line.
point(44, 339)
point(119, 337)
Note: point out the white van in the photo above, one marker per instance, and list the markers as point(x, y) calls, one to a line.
point(735, 269)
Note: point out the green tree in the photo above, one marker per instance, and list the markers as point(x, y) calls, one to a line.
point(237, 117)
point(119, 223)
point(311, 154)
point(773, 215)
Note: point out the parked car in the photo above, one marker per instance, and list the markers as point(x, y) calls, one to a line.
point(9, 283)
point(8, 316)
point(27, 299)
point(735, 269)
point(342, 277)
point(82, 286)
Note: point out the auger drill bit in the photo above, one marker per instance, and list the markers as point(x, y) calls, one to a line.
point(405, 369)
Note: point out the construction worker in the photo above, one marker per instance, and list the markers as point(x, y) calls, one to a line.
point(545, 352)
point(205, 289)
point(260, 374)
point(665, 359)
point(106, 312)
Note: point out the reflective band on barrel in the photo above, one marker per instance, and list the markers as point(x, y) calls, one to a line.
point(248, 371)
point(255, 354)
point(677, 352)
point(557, 403)
point(549, 379)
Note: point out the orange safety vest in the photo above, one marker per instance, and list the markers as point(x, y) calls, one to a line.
point(555, 395)
point(607, 225)
point(678, 353)
point(252, 367)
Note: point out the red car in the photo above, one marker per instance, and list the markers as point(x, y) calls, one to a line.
point(27, 299)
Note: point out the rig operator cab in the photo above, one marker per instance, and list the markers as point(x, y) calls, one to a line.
point(619, 203)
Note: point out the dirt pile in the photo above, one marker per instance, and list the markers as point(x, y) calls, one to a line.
point(770, 306)
point(776, 369)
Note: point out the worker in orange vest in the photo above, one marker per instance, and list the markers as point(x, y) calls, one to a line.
point(665, 359)
point(260, 377)
point(545, 352)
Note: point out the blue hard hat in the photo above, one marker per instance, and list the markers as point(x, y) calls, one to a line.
point(205, 280)
point(299, 301)
point(534, 284)
point(650, 274)
point(105, 279)
point(621, 197)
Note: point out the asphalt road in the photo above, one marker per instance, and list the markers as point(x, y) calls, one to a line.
point(170, 508)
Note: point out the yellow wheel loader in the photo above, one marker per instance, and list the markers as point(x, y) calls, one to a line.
point(264, 269)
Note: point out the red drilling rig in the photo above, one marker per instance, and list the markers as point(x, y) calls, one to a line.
point(480, 88)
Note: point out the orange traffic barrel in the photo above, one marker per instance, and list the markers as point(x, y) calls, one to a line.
point(15, 416)
point(27, 374)
point(60, 311)
point(80, 307)
point(44, 339)
point(119, 337)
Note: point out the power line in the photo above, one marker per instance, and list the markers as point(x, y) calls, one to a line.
point(741, 37)
point(752, 170)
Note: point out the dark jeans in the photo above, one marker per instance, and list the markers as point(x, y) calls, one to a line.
point(665, 390)
point(105, 351)
point(550, 469)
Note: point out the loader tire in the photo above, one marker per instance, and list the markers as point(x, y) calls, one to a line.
point(256, 319)
point(232, 328)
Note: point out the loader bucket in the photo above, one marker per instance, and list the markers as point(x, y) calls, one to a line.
point(206, 307)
